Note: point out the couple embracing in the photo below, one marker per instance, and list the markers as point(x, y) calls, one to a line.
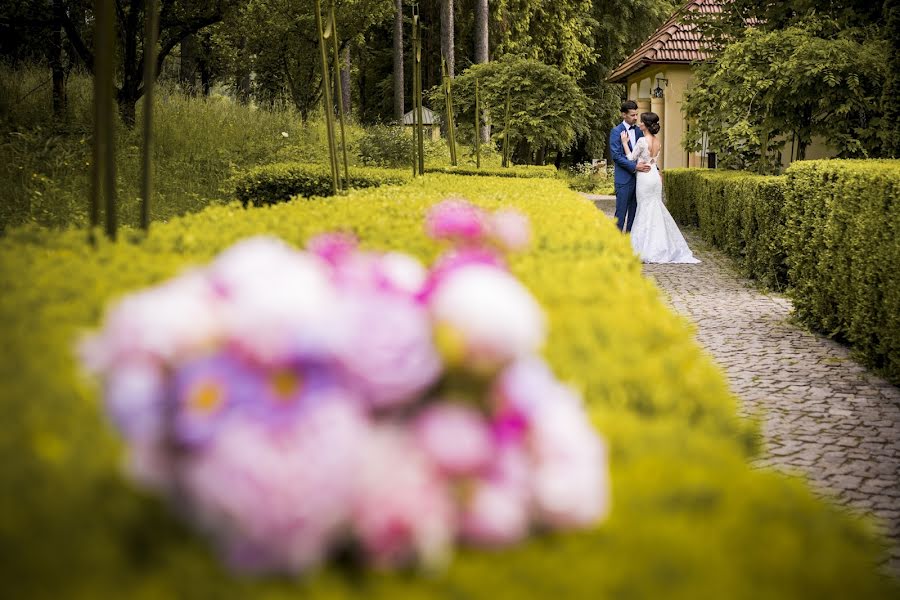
point(640, 211)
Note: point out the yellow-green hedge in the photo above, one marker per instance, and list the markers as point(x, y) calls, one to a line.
point(740, 213)
point(278, 182)
point(690, 517)
point(526, 171)
point(828, 230)
point(843, 220)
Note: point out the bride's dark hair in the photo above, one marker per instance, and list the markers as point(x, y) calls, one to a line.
point(651, 121)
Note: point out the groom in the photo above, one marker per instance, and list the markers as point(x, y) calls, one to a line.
point(626, 170)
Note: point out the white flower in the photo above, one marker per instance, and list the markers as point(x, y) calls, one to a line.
point(284, 134)
point(492, 316)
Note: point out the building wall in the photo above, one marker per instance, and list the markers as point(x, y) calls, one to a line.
point(640, 87)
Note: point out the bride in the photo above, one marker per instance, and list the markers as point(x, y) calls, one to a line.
point(654, 236)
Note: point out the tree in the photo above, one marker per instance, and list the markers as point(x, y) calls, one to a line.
point(447, 35)
point(482, 51)
point(178, 19)
point(548, 107)
point(770, 88)
point(399, 105)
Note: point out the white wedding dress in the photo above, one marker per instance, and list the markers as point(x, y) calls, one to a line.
point(655, 237)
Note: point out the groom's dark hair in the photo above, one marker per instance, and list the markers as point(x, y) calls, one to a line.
point(629, 105)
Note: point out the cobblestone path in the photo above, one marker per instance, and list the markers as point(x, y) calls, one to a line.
point(824, 416)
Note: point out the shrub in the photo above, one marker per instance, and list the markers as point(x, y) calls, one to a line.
point(740, 213)
point(690, 518)
point(526, 171)
point(843, 245)
point(279, 182)
point(392, 146)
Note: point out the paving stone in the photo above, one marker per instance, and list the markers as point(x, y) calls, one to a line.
point(822, 414)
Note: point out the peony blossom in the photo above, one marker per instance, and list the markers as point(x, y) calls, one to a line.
point(277, 499)
point(510, 229)
point(455, 437)
point(497, 510)
point(403, 510)
point(488, 317)
point(457, 220)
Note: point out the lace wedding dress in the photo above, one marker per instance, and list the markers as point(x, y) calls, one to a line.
point(655, 237)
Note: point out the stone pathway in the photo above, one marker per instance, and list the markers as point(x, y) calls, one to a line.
point(824, 416)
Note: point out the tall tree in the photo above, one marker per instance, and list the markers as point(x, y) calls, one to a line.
point(448, 40)
point(399, 105)
point(482, 53)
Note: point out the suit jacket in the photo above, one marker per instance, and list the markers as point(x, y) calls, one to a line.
point(624, 168)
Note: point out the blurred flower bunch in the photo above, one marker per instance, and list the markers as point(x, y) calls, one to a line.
point(294, 404)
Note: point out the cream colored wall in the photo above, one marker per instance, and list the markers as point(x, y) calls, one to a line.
point(668, 108)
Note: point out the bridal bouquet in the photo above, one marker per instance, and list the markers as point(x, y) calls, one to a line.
point(294, 404)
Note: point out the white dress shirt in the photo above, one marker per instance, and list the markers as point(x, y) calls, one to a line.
point(631, 129)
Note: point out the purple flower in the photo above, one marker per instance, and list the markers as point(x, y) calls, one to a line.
point(135, 398)
point(205, 392)
point(455, 437)
point(457, 220)
point(277, 499)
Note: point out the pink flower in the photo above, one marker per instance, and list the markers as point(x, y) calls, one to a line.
point(403, 510)
point(385, 346)
point(455, 437)
point(135, 392)
point(486, 317)
point(332, 247)
point(176, 320)
point(510, 229)
point(278, 301)
point(457, 220)
point(452, 261)
point(276, 499)
point(497, 511)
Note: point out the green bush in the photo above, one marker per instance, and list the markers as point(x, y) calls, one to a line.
point(843, 244)
point(740, 213)
point(279, 182)
point(526, 171)
point(392, 146)
point(690, 517)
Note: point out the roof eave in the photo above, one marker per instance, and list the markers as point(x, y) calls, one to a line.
point(622, 75)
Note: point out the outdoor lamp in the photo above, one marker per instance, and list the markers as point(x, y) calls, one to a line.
point(658, 92)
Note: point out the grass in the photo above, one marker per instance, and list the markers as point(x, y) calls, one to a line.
point(198, 144)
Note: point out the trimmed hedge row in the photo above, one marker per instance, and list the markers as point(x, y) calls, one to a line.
point(843, 219)
point(690, 517)
point(740, 213)
point(828, 230)
point(526, 171)
point(278, 182)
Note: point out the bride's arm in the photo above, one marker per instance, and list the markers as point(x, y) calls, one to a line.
point(637, 149)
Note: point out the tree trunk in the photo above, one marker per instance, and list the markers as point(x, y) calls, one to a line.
point(187, 71)
point(56, 67)
point(482, 50)
point(345, 80)
point(399, 105)
point(447, 38)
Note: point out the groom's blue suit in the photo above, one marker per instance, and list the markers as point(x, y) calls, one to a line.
point(625, 177)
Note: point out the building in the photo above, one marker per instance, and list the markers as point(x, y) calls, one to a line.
point(659, 72)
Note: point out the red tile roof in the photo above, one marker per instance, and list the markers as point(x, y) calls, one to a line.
point(676, 41)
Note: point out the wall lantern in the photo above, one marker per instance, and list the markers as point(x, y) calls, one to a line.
point(658, 92)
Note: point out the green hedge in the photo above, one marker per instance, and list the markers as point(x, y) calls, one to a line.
point(740, 213)
point(828, 230)
point(843, 217)
point(690, 518)
point(526, 171)
point(268, 184)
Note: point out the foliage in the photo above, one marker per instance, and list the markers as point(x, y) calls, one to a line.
point(548, 107)
point(526, 171)
point(690, 517)
point(768, 89)
point(279, 41)
point(843, 251)
point(391, 146)
point(740, 213)
point(827, 231)
point(269, 184)
point(555, 33)
point(198, 143)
